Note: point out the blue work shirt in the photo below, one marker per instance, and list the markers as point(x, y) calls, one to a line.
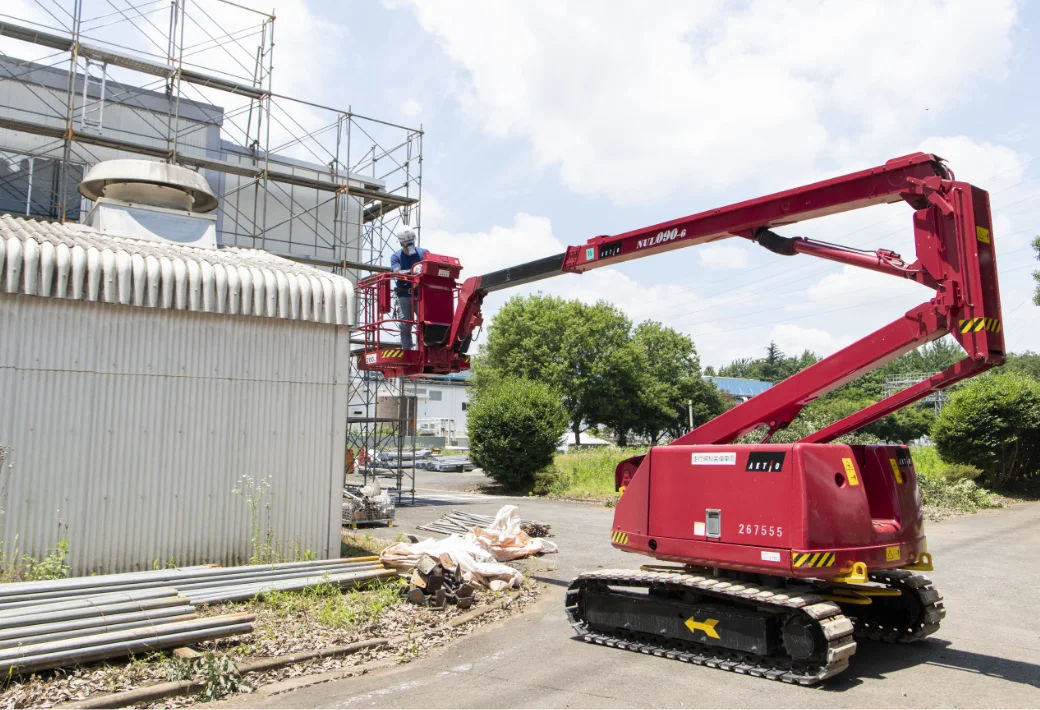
point(404, 262)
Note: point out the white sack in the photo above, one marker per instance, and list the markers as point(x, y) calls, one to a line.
point(477, 563)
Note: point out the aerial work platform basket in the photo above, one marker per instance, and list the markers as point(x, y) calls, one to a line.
point(433, 284)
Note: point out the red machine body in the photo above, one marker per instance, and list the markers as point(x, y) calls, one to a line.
point(788, 510)
point(809, 509)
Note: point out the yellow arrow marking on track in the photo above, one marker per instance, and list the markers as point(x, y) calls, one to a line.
point(707, 626)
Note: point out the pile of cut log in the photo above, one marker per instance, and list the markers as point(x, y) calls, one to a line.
point(434, 585)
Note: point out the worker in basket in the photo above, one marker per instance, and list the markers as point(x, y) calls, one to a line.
point(402, 262)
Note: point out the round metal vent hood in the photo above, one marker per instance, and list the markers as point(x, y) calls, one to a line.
point(145, 182)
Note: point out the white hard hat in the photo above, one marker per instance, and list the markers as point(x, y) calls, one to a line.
point(407, 235)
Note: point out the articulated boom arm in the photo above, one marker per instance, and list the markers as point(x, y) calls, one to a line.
point(955, 257)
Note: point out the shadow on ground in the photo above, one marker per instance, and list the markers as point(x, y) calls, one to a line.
point(876, 660)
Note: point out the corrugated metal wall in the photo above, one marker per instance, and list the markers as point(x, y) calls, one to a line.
point(132, 426)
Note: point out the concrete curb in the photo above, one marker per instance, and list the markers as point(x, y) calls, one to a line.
point(152, 693)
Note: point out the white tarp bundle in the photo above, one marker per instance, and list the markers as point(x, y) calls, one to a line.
point(507, 541)
point(477, 553)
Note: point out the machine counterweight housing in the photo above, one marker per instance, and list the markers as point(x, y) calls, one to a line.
point(787, 510)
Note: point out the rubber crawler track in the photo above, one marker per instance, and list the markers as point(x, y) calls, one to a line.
point(836, 628)
point(917, 585)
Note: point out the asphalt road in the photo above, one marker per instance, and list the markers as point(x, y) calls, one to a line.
point(987, 653)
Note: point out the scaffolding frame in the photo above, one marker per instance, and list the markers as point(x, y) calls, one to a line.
point(368, 172)
point(898, 383)
point(381, 441)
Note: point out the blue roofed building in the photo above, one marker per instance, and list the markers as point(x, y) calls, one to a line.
point(737, 388)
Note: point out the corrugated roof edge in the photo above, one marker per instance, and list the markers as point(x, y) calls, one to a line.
point(739, 385)
point(73, 261)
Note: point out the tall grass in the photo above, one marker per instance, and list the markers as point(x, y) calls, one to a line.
point(585, 474)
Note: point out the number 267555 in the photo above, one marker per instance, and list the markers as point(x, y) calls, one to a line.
point(761, 530)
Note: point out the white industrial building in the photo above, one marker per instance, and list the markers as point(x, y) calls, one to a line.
point(141, 380)
point(440, 406)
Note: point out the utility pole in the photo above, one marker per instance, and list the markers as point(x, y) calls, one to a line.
point(690, 405)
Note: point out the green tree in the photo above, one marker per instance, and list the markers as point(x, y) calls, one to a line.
point(743, 367)
point(905, 425)
point(1026, 364)
point(822, 413)
point(582, 352)
point(993, 423)
point(772, 367)
point(515, 426)
point(929, 358)
point(806, 359)
point(622, 382)
point(671, 374)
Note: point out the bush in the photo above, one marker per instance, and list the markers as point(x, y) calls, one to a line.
point(949, 486)
point(993, 424)
point(514, 427)
point(964, 495)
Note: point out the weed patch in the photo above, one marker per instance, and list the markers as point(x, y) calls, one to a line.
point(360, 545)
point(216, 670)
point(25, 568)
point(334, 608)
point(583, 475)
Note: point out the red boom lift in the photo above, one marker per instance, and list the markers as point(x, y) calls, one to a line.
point(782, 554)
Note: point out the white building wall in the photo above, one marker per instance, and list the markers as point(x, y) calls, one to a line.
point(131, 426)
point(448, 406)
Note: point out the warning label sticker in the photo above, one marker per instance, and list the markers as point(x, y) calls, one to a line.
point(722, 459)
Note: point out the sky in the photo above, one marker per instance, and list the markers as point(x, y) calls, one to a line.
point(548, 123)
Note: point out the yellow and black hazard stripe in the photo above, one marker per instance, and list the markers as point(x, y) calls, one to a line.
point(812, 559)
point(976, 325)
point(392, 353)
point(619, 537)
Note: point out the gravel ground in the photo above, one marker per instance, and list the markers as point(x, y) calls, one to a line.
point(283, 626)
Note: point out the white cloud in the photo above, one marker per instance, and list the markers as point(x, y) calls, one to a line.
point(433, 213)
point(531, 237)
point(695, 96)
point(719, 256)
point(855, 285)
point(794, 339)
point(800, 302)
point(411, 109)
point(979, 161)
point(528, 238)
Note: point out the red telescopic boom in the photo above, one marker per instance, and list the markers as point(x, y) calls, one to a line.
point(954, 256)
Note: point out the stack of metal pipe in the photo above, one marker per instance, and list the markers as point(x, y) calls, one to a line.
point(461, 522)
point(201, 585)
point(55, 623)
point(42, 636)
